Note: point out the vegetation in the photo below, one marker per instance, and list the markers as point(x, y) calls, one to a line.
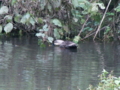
point(55, 19)
point(107, 82)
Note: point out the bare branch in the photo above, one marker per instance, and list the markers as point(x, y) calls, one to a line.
point(102, 20)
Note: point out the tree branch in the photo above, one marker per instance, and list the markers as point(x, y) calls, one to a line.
point(102, 20)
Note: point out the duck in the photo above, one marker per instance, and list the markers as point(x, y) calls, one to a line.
point(65, 44)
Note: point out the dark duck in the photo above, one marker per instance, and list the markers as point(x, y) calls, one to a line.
point(65, 44)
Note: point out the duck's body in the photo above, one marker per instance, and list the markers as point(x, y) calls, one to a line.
point(65, 44)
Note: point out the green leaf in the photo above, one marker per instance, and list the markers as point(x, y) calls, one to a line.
point(75, 19)
point(60, 32)
point(17, 17)
point(50, 39)
point(56, 33)
point(76, 39)
point(40, 20)
point(94, 7)
point(13, 2)
point(107, 30)
point(41, 29)
point(117, 82)
point(0, 28)
point(104, 71)
point(82, 21)
point(8, 28)
point(66, 28)
point(25, 18)
point(40, 35)
point(27, 15)
point(56, 3)
point(117, 9)
point(75, 3)
point(43, 4)
point(109, 13)
point(32, 21)
point(83, 5)
point(101, 5)
point(57, 22)
point(90, 29)
point(49, 7)
point(45, 28)
point(4, 10)
point(8, 18)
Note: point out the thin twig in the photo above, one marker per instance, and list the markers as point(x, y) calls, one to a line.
point(84, 25)
point(102, 20)
point(93, 33)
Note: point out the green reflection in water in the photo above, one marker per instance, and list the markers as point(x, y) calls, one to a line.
point(25, 66)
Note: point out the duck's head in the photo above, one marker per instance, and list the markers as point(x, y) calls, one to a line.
point(58, 42)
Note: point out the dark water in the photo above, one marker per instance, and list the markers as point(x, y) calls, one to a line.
point(26, 66)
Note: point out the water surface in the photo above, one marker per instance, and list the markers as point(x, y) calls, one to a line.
point(26, 66)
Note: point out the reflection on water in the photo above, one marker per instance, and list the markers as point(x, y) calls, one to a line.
point(26, 66)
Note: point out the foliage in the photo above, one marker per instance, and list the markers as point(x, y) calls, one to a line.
point(51, 19)
point(4, 10)
point(76, 39)
point(107, 82)
point(8, 28)
point(117, 9)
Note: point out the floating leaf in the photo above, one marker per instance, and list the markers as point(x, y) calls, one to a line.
point(57, 22)
point(8, 28)
point(50, 39)
point(0, 28)
point(4, 10)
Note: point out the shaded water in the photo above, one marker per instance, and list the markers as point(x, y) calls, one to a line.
point(26, 66)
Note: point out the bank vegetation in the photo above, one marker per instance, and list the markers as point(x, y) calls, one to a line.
point(75, 20)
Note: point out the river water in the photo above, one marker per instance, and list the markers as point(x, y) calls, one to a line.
point(26, 66)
